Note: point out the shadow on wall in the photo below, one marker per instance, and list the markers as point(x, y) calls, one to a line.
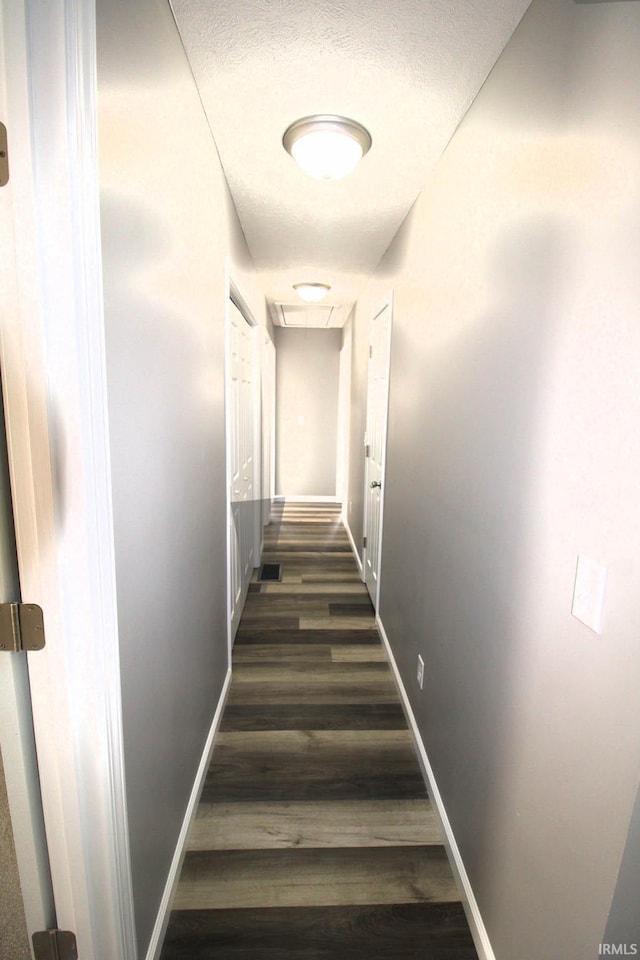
point(159, 360)
point(164, 353)
point(462, 447)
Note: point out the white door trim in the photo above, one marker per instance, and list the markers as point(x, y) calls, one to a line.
point(57, 432)
point(387, 304)
point(234, 295)
point(17, 739)
point(344, 418)
point(268, 374)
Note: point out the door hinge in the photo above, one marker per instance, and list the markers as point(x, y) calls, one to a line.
point(4, 156)
point(367, 450)
point(21, 627)
point(364, 542)
point(370, 352)
point(55, 945)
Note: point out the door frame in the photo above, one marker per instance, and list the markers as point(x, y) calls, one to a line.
point(387, 304)
point(268, 374)
point(234, 295)
point(52, 352)
point(17, 740)
point(344, 419)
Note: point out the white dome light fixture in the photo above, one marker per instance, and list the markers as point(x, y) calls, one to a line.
point(312, 292)
point(325, 146)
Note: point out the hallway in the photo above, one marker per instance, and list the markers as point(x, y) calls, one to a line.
point(314, 837)
point(496, 214)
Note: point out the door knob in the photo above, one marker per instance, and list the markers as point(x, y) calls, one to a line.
point(375, 483)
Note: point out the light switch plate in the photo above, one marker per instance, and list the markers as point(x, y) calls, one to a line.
point(589, 592)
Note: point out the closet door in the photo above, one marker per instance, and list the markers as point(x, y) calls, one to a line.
point(241, 420)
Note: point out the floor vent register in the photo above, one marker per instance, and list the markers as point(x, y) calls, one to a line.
point(269, 572)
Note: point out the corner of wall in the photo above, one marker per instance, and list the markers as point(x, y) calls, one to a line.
point(164, 911)
point(467, 896)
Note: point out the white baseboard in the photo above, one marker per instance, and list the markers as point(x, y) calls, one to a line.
point(302, 499)
point(162, 920)
point(471, 909)
point(353, 544)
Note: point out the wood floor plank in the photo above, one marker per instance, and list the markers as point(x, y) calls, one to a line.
point(273, 603)
point(405, 931)
point(321, 552)
point(313, 824)
point(355, 654)
point(250, 629)
point(336, 623)
point(346, 576)
point(383, 691)
point(258, 633)
point(310, 716)
point(289, 742)
point(282, 652)
point(284, 607)
point(356, 607)
point(307, 765)
point(319, 674)
point(325, 587)
point(221, 879)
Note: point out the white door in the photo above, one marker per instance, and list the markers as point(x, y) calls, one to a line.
point(375, 446)
point(241, 425)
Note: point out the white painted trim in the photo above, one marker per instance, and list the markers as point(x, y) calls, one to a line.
point(227, 448)
point(469, 902)
point(17, 740)
point(234, 295)
point(353, 544)
point(274, 426)
point(387, 305)
point(344, 411)
point(164, 912)
point(268, 380)
point(258, 529)
point(302, 499)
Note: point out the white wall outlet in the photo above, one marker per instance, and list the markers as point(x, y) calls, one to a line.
point(420, 672)
point(588, 593)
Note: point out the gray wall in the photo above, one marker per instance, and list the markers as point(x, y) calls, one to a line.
point(623, 927)
point(307, 370)
point(514, 446)
point(167, 225)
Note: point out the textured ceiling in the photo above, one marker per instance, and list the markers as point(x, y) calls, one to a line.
point(406, 69)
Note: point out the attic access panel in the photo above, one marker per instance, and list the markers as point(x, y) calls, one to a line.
point(303, 315)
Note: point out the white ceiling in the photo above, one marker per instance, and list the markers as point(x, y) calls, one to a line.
point(406, 69)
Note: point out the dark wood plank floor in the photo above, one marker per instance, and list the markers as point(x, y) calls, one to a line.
point(314, 837)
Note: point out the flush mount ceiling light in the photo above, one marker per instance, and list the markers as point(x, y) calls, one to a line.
point(311, 292)
point(325, 146)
